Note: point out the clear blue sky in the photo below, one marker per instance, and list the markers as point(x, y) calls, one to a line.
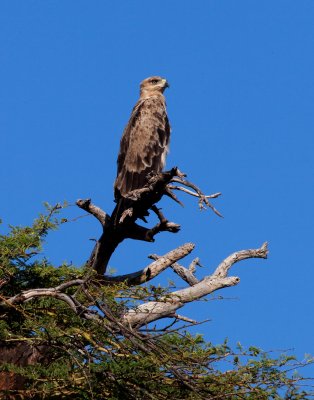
point(241, 105)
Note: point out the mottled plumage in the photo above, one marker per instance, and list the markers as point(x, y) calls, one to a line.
point(145, 140)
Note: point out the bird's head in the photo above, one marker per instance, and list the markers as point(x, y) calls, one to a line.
point(153, 85)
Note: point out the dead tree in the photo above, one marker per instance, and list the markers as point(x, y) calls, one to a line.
point(139, 202)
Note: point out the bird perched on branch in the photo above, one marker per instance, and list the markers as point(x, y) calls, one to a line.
point(145, 140)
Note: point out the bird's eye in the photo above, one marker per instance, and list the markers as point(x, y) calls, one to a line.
point(154, 81)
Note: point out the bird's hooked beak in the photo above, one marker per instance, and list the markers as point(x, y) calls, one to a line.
point(166, 84)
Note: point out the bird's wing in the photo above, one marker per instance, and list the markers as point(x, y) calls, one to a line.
point(143, 146)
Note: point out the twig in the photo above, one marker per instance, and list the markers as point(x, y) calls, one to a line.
point(183, 318)
point(185, 190)
point(194, 263)
point(203, 199)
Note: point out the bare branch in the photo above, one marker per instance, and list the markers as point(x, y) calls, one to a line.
point(154, 310)
point(122, 223)
point(185, 274)
point(167, 305)
point(56, 293)
point(42, 292)
point(183, 318)
point(185, 190)
point(139, 232)
point(163, 225)
point(194, 263)
point(136, 205)
point(169, 193)
point(225, 265)
point(153, 269)
point(97, 212)
point(74, 282)
point(203, 199)
point(126, 213)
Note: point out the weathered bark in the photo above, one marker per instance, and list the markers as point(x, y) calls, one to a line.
point(153, 310)
point(169, 304)
point(122, 223)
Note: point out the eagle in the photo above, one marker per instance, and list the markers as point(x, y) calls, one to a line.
point(145, 140)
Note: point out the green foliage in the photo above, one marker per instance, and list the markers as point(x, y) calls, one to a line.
point(79, 358)
point(20, 249)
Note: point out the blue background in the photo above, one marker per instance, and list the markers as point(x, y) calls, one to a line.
point(241, 109)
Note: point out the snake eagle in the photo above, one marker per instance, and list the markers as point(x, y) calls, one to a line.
point(145, 140)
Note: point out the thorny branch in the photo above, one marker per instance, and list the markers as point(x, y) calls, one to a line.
point(166, 306)
point(128, 323)
point(122, 225)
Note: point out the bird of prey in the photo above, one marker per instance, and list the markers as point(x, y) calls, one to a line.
point(145, 140)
